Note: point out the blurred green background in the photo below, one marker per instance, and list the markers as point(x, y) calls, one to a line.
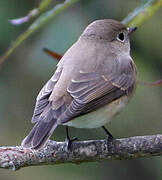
point(28, 68)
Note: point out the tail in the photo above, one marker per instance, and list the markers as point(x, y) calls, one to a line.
point(40, 133)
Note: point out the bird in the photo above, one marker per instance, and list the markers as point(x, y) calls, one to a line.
point(93, 82)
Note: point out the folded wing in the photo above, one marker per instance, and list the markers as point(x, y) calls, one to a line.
point(91, 90)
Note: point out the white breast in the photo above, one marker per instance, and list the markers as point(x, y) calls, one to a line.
point(99, 117)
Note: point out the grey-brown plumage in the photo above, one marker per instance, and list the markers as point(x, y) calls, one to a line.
point(95, 77)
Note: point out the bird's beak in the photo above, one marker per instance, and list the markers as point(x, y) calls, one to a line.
point(131, 30)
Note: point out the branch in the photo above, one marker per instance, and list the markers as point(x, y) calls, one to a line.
point(36, 25)
point(143, 12)
point(42, 7)
point(137, 17)
point(84, 151)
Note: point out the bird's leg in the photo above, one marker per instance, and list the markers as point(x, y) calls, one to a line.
point(68, 140)
point(109, 135)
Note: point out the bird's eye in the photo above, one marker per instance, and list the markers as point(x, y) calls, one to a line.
point(121, 37)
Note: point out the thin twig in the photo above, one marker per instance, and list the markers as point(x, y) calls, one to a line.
point(37, 24)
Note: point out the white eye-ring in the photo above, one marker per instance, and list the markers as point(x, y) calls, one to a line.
point(121, 37)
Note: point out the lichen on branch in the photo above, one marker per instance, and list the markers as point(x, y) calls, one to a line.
point(83, 151)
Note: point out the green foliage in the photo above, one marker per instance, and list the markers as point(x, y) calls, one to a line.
point(142, 13)
point(38, 23)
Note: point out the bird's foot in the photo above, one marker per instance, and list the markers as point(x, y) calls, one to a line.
point(70, 141)
point(109, 138)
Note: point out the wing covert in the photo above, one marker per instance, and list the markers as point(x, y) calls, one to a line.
point(91, 90)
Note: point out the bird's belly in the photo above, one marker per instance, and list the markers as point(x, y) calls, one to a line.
point(99, 117)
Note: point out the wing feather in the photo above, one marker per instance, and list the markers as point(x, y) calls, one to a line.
point(100, 89)
point(43, 97)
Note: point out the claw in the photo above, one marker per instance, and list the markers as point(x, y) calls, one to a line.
point(68, 140)
point(109, 135)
